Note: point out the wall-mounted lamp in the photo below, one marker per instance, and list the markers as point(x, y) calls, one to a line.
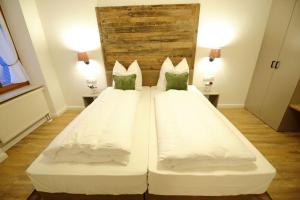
point(83, 56)
point(214, 53)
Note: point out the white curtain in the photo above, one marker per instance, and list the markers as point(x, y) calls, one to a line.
point(9, 55)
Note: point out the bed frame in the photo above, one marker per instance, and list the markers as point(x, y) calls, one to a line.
point(264, 196)
point(61, 196)
point(149, 34)
point(35, 195)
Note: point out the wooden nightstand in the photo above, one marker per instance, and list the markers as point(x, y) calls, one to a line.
point(89, 98)
point(212, 96)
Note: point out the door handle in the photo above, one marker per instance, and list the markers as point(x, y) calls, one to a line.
point(277, 64)
point(272, 64)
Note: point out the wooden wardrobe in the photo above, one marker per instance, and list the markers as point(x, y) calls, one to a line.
point(274, 83)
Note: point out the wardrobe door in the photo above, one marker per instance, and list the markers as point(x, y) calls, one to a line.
point(280, 14)
point(285, 78)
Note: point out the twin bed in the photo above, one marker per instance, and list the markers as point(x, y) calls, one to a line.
point(213, 180)
point(100, 178)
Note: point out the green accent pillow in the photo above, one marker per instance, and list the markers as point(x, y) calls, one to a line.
point(177, 81)
point(126, 82)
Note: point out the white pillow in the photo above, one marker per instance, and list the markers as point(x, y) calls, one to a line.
point(119, 69)
point(168, 66)
point(182, 67)
point(134, 68)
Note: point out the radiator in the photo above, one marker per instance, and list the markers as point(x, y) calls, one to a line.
point(20, 113)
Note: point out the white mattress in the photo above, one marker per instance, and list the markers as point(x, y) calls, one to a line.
point(219, 181)
point(100, 178)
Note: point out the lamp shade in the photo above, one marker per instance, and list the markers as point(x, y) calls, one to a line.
point(215, 53)
point(83, 56)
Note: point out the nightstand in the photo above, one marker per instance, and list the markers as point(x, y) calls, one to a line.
point(89, 98)
point(212, 96)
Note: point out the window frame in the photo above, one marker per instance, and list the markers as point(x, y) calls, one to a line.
point(13, 86)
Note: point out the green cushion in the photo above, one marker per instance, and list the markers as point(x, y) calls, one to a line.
point(125, 82)
point(177, 81)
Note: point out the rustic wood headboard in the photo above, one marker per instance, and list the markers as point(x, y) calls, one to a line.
point(148, 34)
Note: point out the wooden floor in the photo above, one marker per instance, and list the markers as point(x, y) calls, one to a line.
point(281, 149)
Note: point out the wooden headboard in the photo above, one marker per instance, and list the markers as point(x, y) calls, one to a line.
point(148, 34)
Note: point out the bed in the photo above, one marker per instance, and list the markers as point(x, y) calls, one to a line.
point(149, 34)
point(54, 179)
point(220, 181)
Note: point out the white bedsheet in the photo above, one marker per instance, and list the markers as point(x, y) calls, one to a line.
point(192, 135)
point(207, 181)
point(100, 178)
point(101, 133)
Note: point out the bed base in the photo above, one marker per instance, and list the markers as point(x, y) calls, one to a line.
point(36, 195)
point(264, 196)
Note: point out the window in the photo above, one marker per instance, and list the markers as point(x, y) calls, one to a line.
point(12, 73)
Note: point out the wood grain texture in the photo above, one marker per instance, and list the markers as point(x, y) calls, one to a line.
point(148, 34)
point(281, 149)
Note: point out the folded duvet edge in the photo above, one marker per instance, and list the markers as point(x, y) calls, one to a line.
point(189, 161)
point(61, 151)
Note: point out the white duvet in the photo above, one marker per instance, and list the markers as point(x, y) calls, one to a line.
point(101, 133)
point(193, 134)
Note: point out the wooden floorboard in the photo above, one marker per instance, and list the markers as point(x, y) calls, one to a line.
point(281, 149)
point(14, 184)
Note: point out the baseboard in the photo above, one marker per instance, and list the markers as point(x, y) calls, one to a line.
point(75, 107)
point(3, 155)
point(61, 111)
point(231, 105)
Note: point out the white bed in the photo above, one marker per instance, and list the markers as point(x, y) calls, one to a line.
point(250, 179)
point(101, 178)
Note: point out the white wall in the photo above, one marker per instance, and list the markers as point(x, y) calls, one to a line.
point(237, 26)
point(25, 27)
point(40, 45)
point(240, 22)
point(71, 26)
